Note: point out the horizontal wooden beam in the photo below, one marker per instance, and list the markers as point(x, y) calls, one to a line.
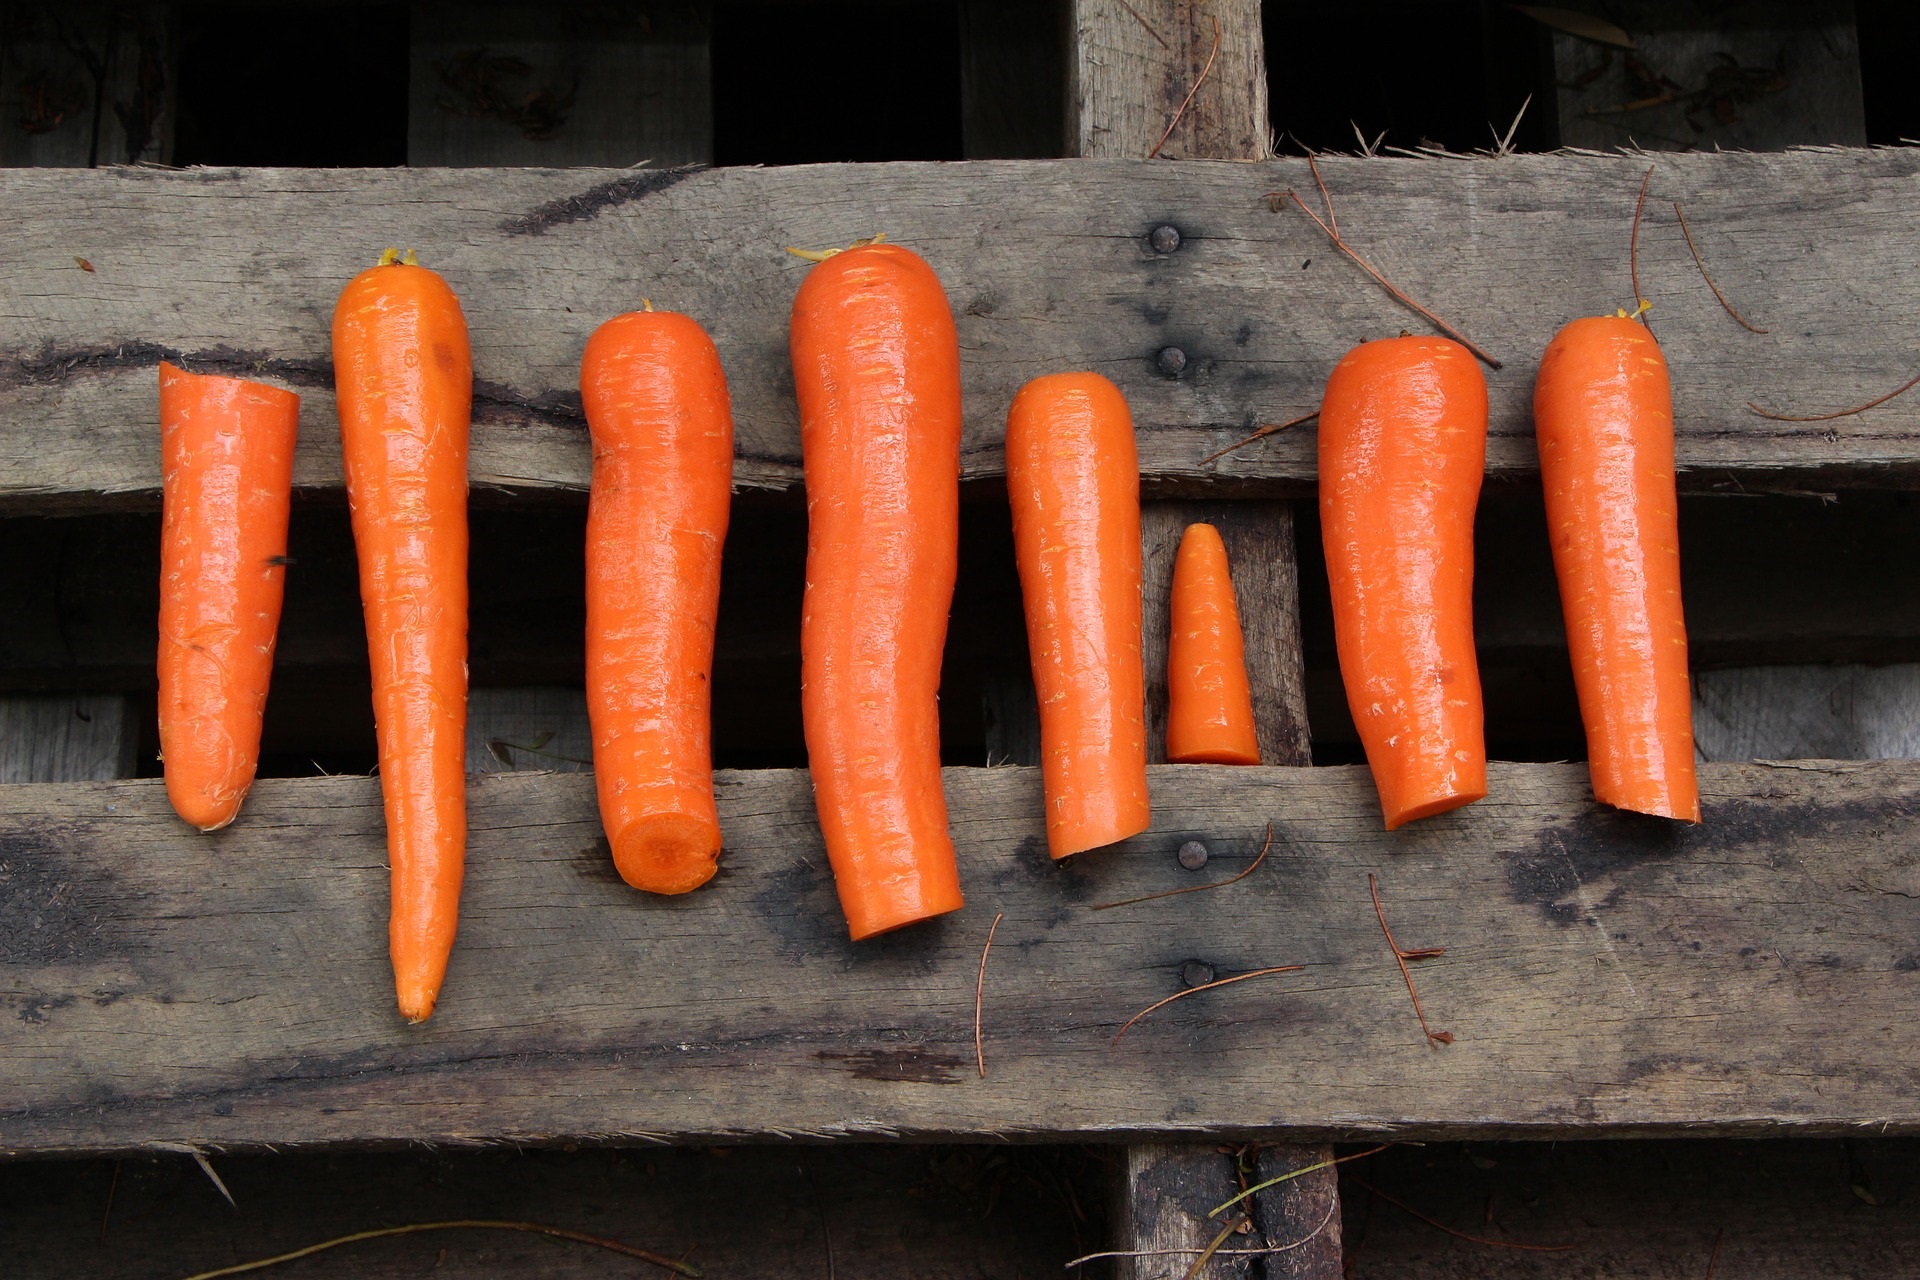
point(1603, 974)
point(1048, 264)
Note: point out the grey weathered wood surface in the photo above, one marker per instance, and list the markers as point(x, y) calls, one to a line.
point(1814, 99)
point(624, 84)
point(86, 84)
point(1303, 1226)
point(80, 737)
point(1843, 712)
point(1603, 974)
point(1162, 1196)
point(1047, 265)
point(541, 727)
point(1261, 557)
point(1132, 65)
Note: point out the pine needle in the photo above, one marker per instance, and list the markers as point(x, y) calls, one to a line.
point(1460, 1235)
point(979, 993)
point(1902, 389)
point(1204, 73)
point(414, 1228)
point(1265, 430)
point(1205, 986)
point(1192, 888)
point(1687, 231)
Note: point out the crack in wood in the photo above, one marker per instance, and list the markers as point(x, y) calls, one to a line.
point(53, 365)
point(594, 201)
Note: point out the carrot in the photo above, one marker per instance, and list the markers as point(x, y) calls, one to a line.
point(876, 366)
point(1403, 442)
point(404, 377)
point(1073, 478)
point(226, 449)
point(1209, 702)
point(657, 406)
point(1603, 410)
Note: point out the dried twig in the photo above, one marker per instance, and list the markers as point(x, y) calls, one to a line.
point(1205, 986)
point(979, 993)
point(1265, 430)
point(414, 1228)
point(1460, 1235)
point(1148, 25)
point(1196, 888)
point(1902, 389)
point(206, 1165)
point(1368, 149)
point(1267, 1252)
point(1400, 957)
point(1687, 231)
point(1204, 72)
point(1714, 1257)
point(1640, 304)
point(1217, 1210)
point(1213, 1246)
point(1504, 146)
point(106, 1215)
point(1331, 226)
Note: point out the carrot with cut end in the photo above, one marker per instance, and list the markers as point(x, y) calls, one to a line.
point(1403, 443)
point(1209, 701)
point(404, 376)
point(1073, 478)
point(226, 467)
point(656, 403)
point(876, 367)
point(1603, 412)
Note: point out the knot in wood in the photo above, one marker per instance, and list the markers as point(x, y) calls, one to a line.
point(1193, 855)
point(1164, 239)
point(1172, 360)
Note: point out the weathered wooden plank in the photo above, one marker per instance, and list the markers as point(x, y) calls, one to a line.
point(86, 84)
point(1133, 65)
point(1843, 712)
point(1161, 1199)
point(1604, 974)
point(1047, 262)
point(82, 737)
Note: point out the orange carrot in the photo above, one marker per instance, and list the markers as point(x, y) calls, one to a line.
point(876, 366)
point(404, 377)
point(1209, 702)
point(226, 448)
point(1403, 442)
point(656, 402)
point(1073, 478)
point(1603, 410)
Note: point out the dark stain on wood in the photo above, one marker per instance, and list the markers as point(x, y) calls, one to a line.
point(53, 365)
point(595, 863)
point(50, 911)
point(912, 1064)
point(496, 401)
point(594, 201)
point(798, 904)
point(1068, 878)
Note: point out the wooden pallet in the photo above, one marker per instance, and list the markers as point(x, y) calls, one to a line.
point(1604, 976)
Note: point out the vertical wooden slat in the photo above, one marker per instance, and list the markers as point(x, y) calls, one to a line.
point(89, 737)
point(1132, 65)
point(85, 84)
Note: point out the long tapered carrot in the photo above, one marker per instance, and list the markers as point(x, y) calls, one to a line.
point(1403, 441)
point(404, 376)
point(227, 479)
point(876, 366)
point(1603, 411)
point(656, 403)
point(1209, 701)
point(1073, 478)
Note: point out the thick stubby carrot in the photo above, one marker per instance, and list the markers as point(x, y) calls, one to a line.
point(1209, 702)
point(656, 403)
point(1403, 443)
point(404, 376)
point(1603, 412)
point(226, 466)
point(1073, 478)
point(876, 366)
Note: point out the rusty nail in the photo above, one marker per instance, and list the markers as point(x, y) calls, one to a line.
point(1164, 239)
point(1171, 361)
point(1193, 855)
point(1196, 973)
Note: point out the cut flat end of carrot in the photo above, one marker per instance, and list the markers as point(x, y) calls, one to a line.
point(1089, 837)
point(1214, 755)
point(1442, 804)
point(874, 927)
point(667, 852)
point(1673, 807)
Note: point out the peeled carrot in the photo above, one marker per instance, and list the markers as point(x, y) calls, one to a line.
point(1073, 478)
point(1603, 410)
point(1209, 702)
point(1403, 442)
point(657, 406)
point(404, 377)
point(876, 366)
point(226, 468)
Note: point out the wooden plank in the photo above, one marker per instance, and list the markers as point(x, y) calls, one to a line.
point(932, 1213)
point(1604, 974)
point(1754, 75)
point(1260, 553)
point(1161, 1201)
point(530, 727)
point(1060, 276)
point(86, 84)
point(1844, 712)
point(83, 737)
point(1133, 65)
point(560, 85)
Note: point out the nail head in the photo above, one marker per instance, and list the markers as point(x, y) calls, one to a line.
point(1172, 360)
point(1196, 973)
point(1164, 239)
point(1193, 855)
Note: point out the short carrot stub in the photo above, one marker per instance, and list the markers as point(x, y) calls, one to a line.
point(226, 463)
point(1403, 441)
point(1073, 479)
point(876, 367)
point(1209, 700)
point(1603, 413)
point(404, 376)
point(662, 425)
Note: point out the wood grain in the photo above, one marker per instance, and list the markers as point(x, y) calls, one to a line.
point(1133, 64)
point(1604, 975)
point(1161, 1199)
point(81, 737)
point(1843, 712)
point(1048, 266)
